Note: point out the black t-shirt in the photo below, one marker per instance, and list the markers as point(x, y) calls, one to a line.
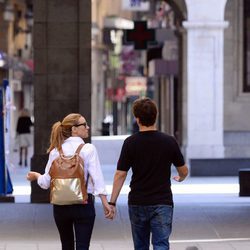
point(150, 154)
point(23, 125)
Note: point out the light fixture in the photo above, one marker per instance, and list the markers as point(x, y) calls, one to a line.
point(8, 14)
point(2, 62)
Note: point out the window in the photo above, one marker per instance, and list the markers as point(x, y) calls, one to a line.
point(246, 86)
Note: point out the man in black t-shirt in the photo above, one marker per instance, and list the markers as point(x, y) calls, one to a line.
point(150, 154)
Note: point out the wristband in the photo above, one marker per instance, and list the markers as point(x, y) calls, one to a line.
point(111, 203)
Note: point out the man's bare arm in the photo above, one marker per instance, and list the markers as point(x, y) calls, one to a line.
point(183, 172)
point(119, 178)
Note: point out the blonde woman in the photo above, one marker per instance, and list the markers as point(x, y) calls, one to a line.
point(77, 219)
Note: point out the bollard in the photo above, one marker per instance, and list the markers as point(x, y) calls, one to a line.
point(244, 177)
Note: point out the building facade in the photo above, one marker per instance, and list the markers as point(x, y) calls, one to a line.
point(216, 95)
point(202, 91)
point(200, 77)
point(16, 27)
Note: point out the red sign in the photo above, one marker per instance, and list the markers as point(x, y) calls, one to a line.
point(140, 36)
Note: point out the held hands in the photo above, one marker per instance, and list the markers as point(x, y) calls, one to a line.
point(32, 176)
point(113, 210)
point(109, 211)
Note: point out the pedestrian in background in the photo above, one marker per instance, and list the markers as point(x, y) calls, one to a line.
point(75, 219)
point(23, 136)
point(150, 155)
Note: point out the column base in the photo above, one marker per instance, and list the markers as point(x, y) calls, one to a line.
point(39, 195)
point(7, 198)
point(218, 167)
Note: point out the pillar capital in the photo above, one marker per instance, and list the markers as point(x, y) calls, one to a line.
point(211, 25)
point(206, 10)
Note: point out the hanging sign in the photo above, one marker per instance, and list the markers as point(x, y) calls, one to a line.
point(135, 5)
point(140, 36)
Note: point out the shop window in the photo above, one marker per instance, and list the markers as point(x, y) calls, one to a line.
point(246, 86)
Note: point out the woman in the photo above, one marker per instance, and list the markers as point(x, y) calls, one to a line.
point(23, 135)
point(68, 135)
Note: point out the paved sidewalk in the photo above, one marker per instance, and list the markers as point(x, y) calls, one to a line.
point(205, 225)
point(208, 214)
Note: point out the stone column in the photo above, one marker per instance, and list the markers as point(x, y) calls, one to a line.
point(205, 47)
point(62, 80)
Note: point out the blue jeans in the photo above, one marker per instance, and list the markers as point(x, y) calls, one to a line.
point(156, 219)
point(75, 220)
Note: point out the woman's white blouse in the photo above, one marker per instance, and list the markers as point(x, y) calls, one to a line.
point(92, 166)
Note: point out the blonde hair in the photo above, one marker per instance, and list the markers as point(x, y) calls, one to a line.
point(62, 130)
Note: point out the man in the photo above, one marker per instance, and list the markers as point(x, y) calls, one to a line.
point(150, 154)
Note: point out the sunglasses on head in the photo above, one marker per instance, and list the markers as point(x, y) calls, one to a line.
point(81, 124)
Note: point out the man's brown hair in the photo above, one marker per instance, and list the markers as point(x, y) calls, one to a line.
point(145, 110)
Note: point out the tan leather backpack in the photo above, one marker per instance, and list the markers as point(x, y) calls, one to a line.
point(67, 185)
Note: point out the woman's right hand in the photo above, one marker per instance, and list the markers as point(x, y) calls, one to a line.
point(32, 176)
point(109, 211)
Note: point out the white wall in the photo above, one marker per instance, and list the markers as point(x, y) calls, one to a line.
point(108, 148)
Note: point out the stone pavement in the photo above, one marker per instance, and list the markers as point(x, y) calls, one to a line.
point(199, 223)
point(208, 215)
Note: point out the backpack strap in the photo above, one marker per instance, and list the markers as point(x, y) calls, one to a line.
point(60, 151)
point(79, 148)
point(78, 152)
